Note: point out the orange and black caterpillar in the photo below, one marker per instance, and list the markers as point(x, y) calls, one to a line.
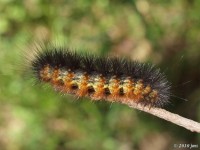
point(112, 79)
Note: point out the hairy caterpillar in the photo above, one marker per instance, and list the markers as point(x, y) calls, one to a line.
point(111, 79)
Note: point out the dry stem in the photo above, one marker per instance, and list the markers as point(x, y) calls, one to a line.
point(166, 115)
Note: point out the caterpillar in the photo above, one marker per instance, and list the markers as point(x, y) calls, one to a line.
point(100, 78)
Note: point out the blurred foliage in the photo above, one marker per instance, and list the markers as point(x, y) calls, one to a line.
point(164, 32)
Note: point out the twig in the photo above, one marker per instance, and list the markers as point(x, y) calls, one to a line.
point(166, 115)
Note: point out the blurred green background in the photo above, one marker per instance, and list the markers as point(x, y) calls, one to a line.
point(163, 32)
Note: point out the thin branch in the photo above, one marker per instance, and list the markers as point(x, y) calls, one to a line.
point(166, 115)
